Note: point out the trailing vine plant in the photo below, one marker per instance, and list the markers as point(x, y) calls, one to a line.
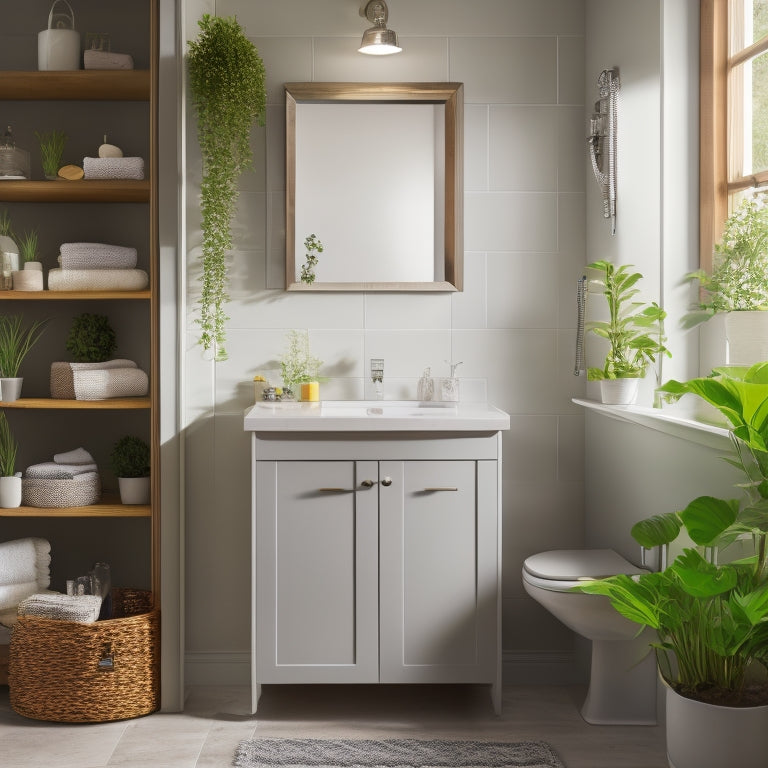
point(226, 78)
point(313, 246)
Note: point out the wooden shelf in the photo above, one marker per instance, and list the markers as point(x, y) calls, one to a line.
point(49, 403)
point(71, 295)
point(110, 506)
point(78, 85)
point(83, 191)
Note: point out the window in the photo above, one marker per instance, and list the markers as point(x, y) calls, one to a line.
point(734, 110)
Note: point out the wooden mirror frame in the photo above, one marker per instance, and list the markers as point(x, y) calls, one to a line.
point(451, 95)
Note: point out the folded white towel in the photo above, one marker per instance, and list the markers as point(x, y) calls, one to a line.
point(77, 456)
point(10, 616)
point(50, 470)
point(25, 560)
point(97, 279)
point(108, 383)
point(12, 594)
point(81, 608)
point(96, 256)
point(113, 167)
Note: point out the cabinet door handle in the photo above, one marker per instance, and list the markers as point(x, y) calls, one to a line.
point(368, 483)
point(441, 488)
point(386, 482)
point(334, 490)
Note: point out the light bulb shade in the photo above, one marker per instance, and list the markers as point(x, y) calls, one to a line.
point(379, 41)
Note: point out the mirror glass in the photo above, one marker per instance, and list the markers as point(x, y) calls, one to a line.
point(374, 173)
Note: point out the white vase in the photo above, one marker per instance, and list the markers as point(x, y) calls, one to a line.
point(10, 389)
point(134, 490)
point(747, 335)
point(703, 735)
point(619, 391)
point(10, 492)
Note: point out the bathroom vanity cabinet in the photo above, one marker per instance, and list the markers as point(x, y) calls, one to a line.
point(375, 551)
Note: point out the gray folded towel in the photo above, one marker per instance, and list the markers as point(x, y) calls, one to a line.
point(51, 470)
point(77, 456)
point(96, 256)
point(80, 608)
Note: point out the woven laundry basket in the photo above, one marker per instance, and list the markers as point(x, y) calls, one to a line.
point(78, 491)
point(64, 671)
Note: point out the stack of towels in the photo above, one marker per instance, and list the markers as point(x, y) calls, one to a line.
point(98, 381)
point(81, 486)
point(24, 571)
point(83, 609)
point(64, 466)
point(97, 267)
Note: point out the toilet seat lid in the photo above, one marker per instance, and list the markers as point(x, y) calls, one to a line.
point(576, 564)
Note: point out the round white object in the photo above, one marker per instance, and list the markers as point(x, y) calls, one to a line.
point(110, 150)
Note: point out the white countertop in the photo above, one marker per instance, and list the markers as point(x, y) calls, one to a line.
point(374, 416)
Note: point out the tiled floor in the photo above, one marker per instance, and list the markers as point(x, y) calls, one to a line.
point(216, 719)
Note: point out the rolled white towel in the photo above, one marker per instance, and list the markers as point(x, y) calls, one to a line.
point(113, 167)
point(96, 256)
point(81, 608)
point(50, 470)
point(12, 594)
point(77, 456)
point(25, 560)
point(97, 279)
point(106, 384)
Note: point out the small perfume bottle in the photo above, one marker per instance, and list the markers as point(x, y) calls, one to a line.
point(449, 388)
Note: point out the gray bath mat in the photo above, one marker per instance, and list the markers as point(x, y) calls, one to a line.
point(394, 753)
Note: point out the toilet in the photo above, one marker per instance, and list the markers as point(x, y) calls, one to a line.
point(622, 686)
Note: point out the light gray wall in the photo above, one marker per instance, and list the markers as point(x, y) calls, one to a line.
point(513, 327)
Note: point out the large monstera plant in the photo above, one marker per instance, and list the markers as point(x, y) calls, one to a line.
point(226, 78)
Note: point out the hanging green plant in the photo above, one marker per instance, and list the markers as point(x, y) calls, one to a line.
point(226, 77)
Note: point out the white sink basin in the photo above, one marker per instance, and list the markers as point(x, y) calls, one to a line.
point(385, 409)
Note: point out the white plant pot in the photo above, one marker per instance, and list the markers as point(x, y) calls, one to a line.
point(619, 391)
point(10, 389)
point(10, 492)
point(708, 736)
point(747, 335)
point(27, 280)
point(134, 490)
point(35, 266)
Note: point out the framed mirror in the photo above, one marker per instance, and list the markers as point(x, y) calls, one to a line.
point(374, 171)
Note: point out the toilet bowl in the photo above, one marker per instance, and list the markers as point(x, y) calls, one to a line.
point(622, 685)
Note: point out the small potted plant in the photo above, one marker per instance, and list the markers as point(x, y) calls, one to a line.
point(710, 610)
point(91, 338)
point(130, 461)
point(10, 482)
point(300, 367)
point(52, 145)
point(30, 278)
point(15, 343)
point(737, 287)
point(634, 332)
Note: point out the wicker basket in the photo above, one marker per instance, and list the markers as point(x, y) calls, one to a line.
point(64, 671)
point(79, 491)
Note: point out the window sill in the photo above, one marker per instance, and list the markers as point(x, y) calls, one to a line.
point(670, 420)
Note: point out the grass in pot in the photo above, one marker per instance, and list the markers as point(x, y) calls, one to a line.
point(10, 484)
point(16, 341)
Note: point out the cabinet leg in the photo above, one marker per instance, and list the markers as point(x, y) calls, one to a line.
point(496, 697)
point(255, 696)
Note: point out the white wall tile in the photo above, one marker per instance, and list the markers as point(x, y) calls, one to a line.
point(468, 307)
point(571, 150)
point(408, 353)
point(570, 70)
point(476, 147)
point(407, 310)
point(570, 448)
point(286, 59)
point(530, 449)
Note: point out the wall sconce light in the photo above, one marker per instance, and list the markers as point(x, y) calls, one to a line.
point(377, 40)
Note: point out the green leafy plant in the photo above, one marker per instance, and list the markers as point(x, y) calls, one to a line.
point(298, 365)
point(28, 246)
point(91, 339)
point(739, 278)
point(226, 78)
point(313, 246)
point(8, 448)
point(634, 331)
point(130, 457)
point(52, 145)
point(6, 227)
point(16, 342)
point(711, 617)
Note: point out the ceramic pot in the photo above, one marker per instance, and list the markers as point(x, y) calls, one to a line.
point(10, 492)
point(36, 266)
point(27, 280)
point(703, 735)
point(134, 490)
point(10, 389)
point(619, 391)
point(747, 335)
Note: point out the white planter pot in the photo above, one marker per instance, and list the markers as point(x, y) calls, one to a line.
point(10, 492)
point(35, 266)
point(134, 490)
point(747, 335)
point(707, 736)
point(619, 391)
point(10, 389)
point(27, 280)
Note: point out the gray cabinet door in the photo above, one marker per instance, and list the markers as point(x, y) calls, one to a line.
point(438, 571)
point(316, 572)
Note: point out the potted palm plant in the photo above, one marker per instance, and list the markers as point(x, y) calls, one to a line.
point(15, 343)
point(10, 482)
point(711, 611)
point(30, 278)
point(130, 461)
point(634, 332)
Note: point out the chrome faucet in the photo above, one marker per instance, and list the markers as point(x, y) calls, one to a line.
point(377, 376)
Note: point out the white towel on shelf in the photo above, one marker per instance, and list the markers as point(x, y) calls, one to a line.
point(113, 167)
point(108, 383)
point(12, 594)
point(55, 605)
point(25, 560)
point(97, 279)
point(96, 256)
point(51, 470)
point(116, 363)
point(77, 456)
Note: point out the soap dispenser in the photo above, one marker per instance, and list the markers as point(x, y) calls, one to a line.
point(449, 388)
